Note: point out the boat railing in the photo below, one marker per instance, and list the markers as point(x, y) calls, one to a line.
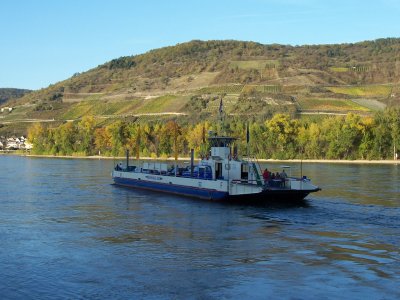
point(244, 181)
point(288, 183)
point(126, 169)
point(304, 178)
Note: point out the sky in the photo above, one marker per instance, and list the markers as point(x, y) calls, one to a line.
point(46, 41)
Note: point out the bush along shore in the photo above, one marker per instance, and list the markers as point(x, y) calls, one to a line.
point(350, 137)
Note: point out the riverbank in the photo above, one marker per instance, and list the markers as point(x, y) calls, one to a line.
point(330, 161)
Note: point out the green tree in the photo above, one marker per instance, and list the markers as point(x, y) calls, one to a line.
point(102, 141)
point(118, 137)
point(394, 123)
point(367, 138)
point(309, 141)
point(281, 133)
point(85, 135)
point(64, 139)
point(382, 145)
point(37, 135)
point(197, 138)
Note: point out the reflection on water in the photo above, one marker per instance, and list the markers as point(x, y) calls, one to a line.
point(66, 232)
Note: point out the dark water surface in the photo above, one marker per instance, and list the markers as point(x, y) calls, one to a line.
point(66, 232)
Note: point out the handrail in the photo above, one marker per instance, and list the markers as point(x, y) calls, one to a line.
point(258, 163)
point(236, 181)
point(258, 176)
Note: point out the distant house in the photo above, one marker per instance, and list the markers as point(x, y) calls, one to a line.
point(9, 109)
point(1, 146)
point(12, 145)
point(27, 145)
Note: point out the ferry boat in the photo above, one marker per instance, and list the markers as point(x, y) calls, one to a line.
point(219, 176)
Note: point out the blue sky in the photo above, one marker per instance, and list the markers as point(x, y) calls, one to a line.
point(46, 41)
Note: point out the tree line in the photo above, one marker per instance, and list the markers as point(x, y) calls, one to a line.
point(280, 137)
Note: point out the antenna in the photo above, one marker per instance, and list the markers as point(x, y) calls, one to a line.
point(248, 139)
point(221, 115)
point(138, 136)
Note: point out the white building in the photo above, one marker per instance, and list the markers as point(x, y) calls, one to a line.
point(9, 109)
point(27, 145)
point(12, 144)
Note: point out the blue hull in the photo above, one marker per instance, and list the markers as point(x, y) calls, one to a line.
point(172, 189)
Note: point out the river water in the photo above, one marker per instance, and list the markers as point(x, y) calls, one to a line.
point(66, 232)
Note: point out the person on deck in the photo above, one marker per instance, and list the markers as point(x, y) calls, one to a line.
point(266, 176)
point(272, 181)
point(283, 177)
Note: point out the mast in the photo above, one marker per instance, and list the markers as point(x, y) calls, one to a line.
point(138, 143)
point(175, 146)
point(127, 159)
point(221, 116)
point(248, 139)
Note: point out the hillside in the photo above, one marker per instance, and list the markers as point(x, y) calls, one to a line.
point(7, 93)
point(254, 80)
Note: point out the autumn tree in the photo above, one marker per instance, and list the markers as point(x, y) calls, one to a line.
point(85, 135)
point(37, 135)
point(281, 133)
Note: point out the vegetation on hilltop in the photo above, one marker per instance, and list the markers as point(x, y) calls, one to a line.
point(360, 63)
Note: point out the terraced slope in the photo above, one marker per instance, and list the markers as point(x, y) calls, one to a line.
point(253, 79)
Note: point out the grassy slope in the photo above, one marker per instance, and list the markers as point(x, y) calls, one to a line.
point(382, 91)
point(340, 105)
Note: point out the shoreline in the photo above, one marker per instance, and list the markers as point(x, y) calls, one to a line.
point(323, 161)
